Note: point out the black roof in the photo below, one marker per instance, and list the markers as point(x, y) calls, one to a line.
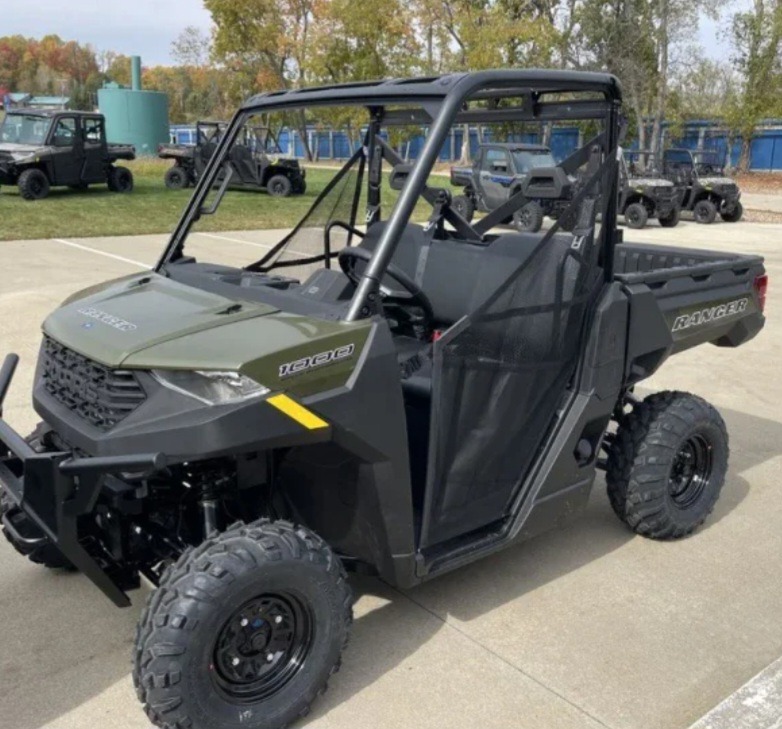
point(508, 81)
point(48, 113)
point(518, 146)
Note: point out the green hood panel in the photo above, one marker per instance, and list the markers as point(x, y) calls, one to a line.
point(148, 321)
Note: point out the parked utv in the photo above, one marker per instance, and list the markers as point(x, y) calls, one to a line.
point(703, 187)
point(501, 171)
point(249, 159)
point(644, 193)
point(41, 149)
point(244, 435)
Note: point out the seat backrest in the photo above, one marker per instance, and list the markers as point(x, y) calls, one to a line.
point(242, 160)
point(458, 276)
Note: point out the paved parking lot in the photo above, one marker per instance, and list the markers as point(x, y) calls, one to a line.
point(584, 628)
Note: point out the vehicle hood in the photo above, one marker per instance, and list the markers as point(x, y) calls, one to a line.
point(124, 317)
point(649, 182)
point(148, 321)
point(10, 148)
point(716, 181)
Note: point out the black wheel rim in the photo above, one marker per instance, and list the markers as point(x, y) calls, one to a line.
point(702, 213)
point(278, 187)
point(524, 218)
point(690, 471)
point(261, 647)
point(633, 216)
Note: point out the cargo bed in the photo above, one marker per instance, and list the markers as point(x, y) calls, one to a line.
point(682, 297)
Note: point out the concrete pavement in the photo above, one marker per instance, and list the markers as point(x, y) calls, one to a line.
point(583, 628)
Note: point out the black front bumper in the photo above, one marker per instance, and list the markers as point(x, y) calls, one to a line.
point(55, 489)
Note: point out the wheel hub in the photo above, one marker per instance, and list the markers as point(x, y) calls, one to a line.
point(690, 471)
point(262, 647)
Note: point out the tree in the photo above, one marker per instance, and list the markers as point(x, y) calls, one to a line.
point(757, 37)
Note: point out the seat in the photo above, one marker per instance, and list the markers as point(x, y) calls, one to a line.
point(459, 275)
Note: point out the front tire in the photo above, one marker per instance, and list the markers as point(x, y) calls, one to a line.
point(243, 631)
point(529, 219)
point(636, 215)
point(279, 186)
point(33, 184)
point(735, 215)
point(667, 465)
point(705, 212)
point(465, 206)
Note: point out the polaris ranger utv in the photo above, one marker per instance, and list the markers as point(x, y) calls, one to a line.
point(644, 193)
point(501, 171)
point(41, 149)
point(253, 168)
point(703, 187)
point(243, 434)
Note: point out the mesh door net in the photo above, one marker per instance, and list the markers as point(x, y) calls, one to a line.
point(499, 377)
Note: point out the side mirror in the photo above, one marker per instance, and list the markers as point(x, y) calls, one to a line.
point(399, 176)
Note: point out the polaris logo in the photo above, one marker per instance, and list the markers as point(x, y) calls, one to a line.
point(108, 319)
point(305, 364)
point(705, 316)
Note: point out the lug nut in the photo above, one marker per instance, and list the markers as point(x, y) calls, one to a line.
point(244, 622)
point(235, 661)
point(278, 619)
point(270, 658)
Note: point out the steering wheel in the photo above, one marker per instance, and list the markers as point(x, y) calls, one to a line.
point(412, 295)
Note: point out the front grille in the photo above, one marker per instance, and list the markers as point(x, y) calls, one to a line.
point(98, 394)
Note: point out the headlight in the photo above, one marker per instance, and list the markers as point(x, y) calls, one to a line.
point(22, 156)
point(211, 387)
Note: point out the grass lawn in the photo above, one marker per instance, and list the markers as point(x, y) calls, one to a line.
point(151, 208)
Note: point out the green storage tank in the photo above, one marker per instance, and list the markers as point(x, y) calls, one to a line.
point(134, 116)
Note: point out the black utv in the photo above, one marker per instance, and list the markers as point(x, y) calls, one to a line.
point(501, 171)
point(252, 160)
point(41, 149)
point(644, 193)
point(704, 189)
point(378, 395)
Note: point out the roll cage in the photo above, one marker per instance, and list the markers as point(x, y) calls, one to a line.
point(437, 103)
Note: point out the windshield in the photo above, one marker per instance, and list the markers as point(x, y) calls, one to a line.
point(277, 226)
point(526, 161)
point(641, 162)
point(24, 129)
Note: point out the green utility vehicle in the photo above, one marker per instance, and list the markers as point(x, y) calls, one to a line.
point(255, 161)
point(41, 149)
point(373, 394)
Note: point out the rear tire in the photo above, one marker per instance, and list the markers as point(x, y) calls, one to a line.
point(735, 216)
point(529, 219)
point(33, 184)
point(671, 220)
point(465, 206)
point(120, 180)
point(636, 215)
point(705, 212)
point(176, 178)
point(279, 186)
point(244, 630)
point(667, 465)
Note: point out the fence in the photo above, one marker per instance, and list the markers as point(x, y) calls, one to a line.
point(336, 145)
point(766, 148)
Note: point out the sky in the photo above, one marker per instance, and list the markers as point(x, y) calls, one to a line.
point(132, 27)
point(147, 27)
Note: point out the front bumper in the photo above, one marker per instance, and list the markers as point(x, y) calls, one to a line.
point(55, 489)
